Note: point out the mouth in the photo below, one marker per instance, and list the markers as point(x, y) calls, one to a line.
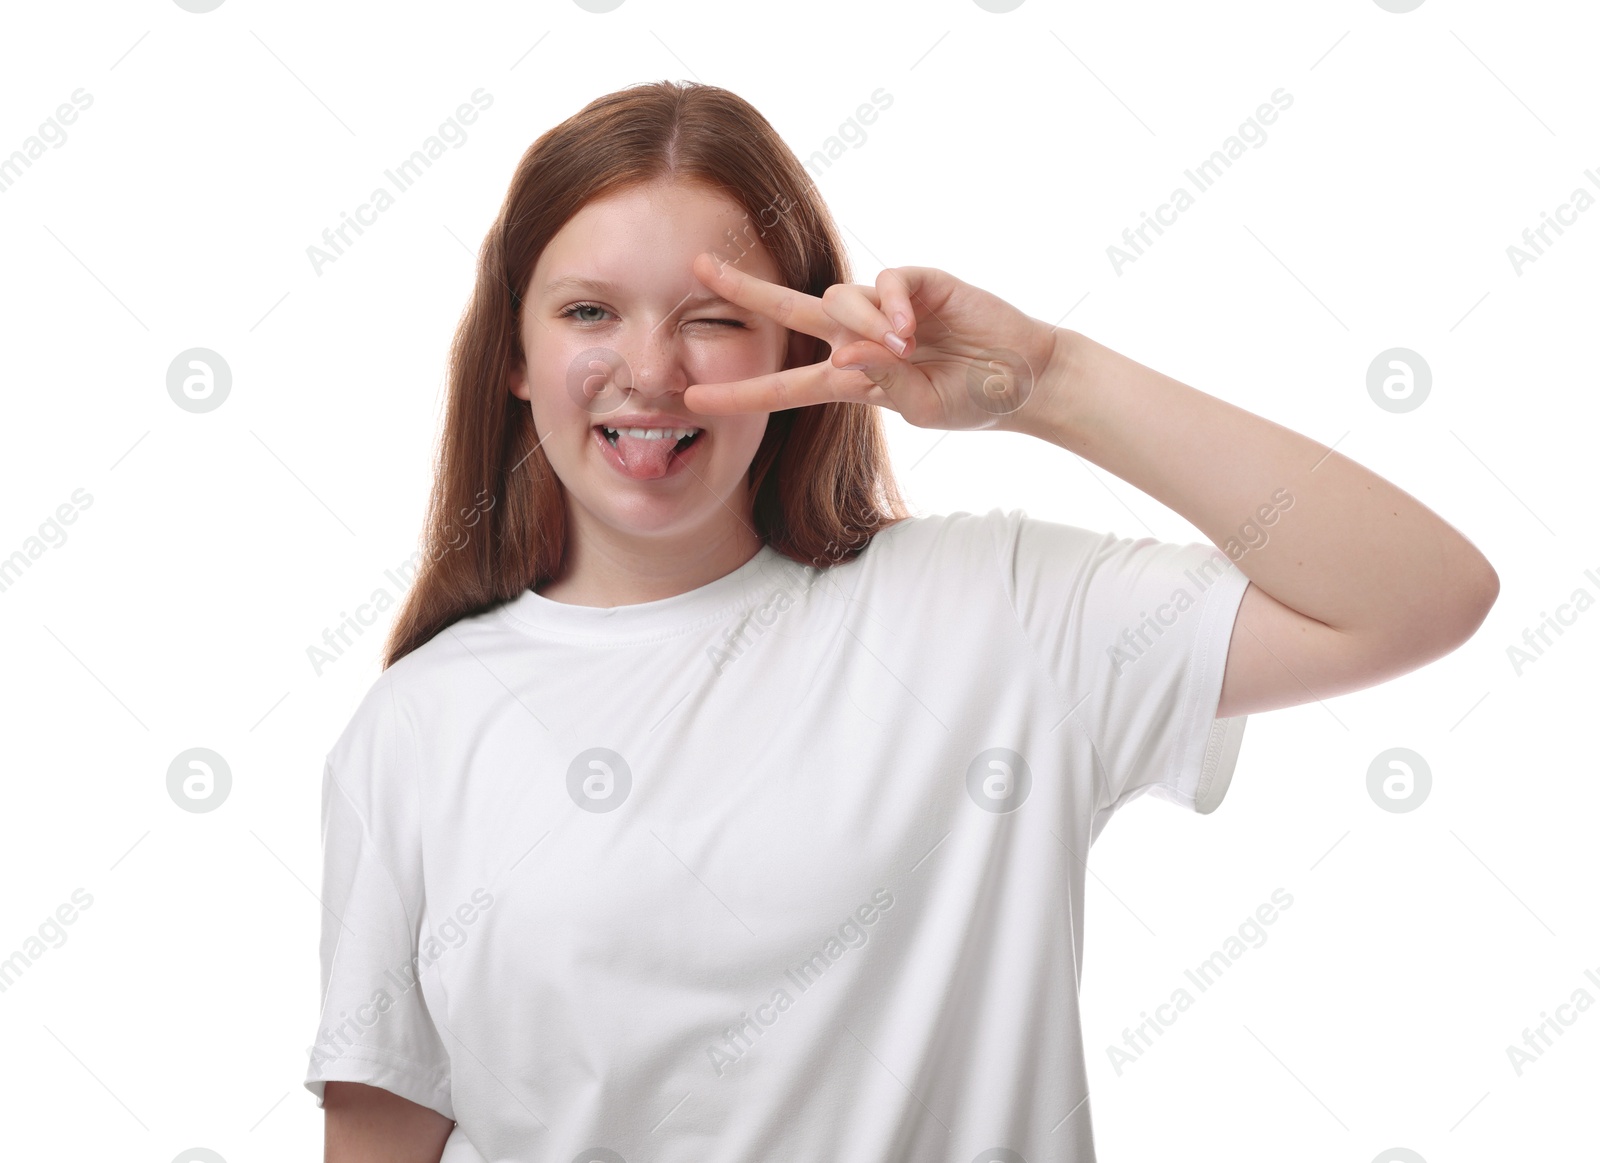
point(651, 453)
point(682, 438)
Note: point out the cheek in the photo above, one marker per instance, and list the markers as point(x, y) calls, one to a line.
point(743, 354)
point(556, 379)
point(742, 436)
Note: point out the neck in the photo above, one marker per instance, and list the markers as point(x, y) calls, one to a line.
point(605, 567)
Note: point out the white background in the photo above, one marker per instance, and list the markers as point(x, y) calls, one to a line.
point(1018, 146)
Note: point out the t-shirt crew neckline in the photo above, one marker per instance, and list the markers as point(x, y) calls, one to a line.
point(533, 613)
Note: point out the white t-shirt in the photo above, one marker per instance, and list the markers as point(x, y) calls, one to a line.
point(787, 868)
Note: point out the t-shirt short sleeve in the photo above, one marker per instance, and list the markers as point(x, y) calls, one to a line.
point(1134, 633)
point(374, 1026)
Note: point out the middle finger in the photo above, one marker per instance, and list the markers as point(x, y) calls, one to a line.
point(860, 310)
point(793, 309)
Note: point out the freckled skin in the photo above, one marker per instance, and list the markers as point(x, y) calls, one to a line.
point(635, 541)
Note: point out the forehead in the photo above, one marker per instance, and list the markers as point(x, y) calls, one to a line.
point(648, 236)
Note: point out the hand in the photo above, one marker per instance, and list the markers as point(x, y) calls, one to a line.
point(971, 359)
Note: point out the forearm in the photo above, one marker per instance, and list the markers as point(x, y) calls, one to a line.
point(1348, 549)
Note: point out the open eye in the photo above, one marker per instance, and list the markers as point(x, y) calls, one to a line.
point(571, 312)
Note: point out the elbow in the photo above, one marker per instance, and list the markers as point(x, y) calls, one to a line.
point(1485, 590)
point(1476, 587)
point(1430, 626)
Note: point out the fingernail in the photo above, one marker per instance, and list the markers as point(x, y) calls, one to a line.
point(854, 367)
point(894, 343)
point(900, 321)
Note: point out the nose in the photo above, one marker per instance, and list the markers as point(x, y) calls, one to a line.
point(655, 360)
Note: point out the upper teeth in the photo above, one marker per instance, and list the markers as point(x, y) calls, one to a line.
point(654, 433)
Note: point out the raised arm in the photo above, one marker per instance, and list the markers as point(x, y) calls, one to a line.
point(1354, 581)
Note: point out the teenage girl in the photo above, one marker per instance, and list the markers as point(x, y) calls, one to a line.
point(710, 805)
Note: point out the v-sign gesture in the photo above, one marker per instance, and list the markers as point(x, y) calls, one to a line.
point(971, 360)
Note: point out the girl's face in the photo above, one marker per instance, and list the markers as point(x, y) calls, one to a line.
point(615, 326)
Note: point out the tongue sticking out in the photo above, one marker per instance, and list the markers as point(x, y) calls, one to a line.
point(645, 459)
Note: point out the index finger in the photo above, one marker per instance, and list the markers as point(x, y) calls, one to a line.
point(793, 309)
point(796, 387)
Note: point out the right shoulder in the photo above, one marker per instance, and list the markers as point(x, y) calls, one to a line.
point(402, 695)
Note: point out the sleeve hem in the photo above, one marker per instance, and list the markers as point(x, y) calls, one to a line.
point(1216, 769)
point(429, 1088)
point(1205, 768)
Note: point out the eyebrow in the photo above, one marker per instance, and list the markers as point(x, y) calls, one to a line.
point(579, 284)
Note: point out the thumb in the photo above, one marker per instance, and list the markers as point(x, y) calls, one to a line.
point(873, 360)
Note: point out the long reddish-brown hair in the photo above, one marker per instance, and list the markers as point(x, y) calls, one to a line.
point(821, 481)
